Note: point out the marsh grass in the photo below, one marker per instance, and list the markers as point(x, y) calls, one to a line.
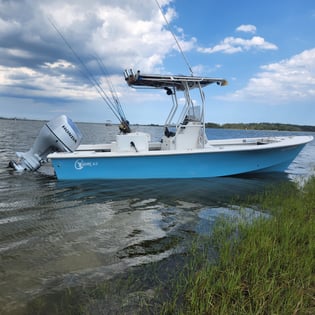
point(265, 266)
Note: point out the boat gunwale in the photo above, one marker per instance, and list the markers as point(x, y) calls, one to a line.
point(278, 143)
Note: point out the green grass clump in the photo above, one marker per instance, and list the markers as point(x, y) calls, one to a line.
point(266, 266)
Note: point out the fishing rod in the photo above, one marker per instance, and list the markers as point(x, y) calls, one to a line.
point(111, 87)
point(113, 103)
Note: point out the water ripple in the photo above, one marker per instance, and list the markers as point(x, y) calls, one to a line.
point(60, 234)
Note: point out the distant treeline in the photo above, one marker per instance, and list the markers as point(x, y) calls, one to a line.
point(251, 126)
point(262, 126)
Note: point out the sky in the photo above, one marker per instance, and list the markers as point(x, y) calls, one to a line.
point(264, 49)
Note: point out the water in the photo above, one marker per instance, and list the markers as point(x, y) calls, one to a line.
point(55, 235)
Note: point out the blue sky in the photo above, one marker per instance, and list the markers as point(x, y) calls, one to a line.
point(265, 49)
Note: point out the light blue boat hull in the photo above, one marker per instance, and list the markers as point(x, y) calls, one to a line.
point(185, 165)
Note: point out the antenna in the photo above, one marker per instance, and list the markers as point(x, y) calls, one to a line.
point(178, 45)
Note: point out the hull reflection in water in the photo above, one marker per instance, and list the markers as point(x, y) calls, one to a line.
point(194, 190)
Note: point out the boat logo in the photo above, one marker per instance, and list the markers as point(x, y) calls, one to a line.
point(80, 164)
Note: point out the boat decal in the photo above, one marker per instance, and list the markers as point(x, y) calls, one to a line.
point(81, 164)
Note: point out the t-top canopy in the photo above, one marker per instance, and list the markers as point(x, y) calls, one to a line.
point(171, 81)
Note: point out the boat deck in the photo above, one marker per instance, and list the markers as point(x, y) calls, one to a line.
point(241, 144)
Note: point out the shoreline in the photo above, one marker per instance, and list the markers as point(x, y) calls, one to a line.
point(263, 126)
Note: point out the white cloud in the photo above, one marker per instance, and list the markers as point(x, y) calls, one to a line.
point(59, 64)
point(35, 61)
point(202, 69)
point(29, 83)
point(247, 28)
point(290, 80)
point(127, 35)
point(231, 45)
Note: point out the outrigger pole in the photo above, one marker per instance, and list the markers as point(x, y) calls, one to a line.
point(175, 38)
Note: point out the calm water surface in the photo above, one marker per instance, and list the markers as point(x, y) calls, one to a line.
point(55, 235)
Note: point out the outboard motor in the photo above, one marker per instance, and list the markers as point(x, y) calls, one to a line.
point(58, 135)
